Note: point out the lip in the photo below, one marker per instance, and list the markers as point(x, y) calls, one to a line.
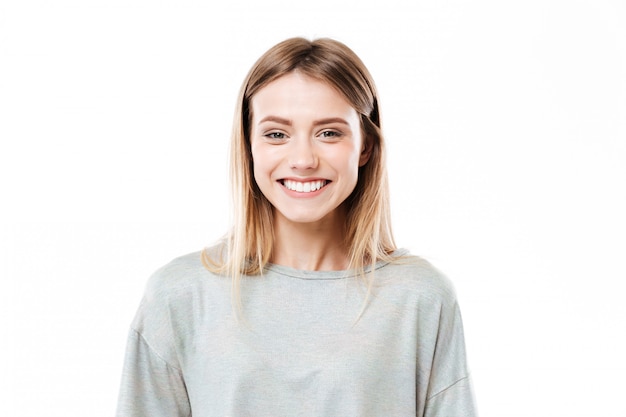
point(300, 194)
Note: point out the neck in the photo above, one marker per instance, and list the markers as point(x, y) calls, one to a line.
point(315, 246)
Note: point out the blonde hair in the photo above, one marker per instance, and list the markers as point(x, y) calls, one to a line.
point(248, 246)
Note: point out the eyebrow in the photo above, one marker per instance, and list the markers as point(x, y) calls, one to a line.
point(276, 119)
point(319, 122)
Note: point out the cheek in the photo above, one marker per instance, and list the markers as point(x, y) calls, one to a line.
point(257, 168)
point(348, 161)
point(261, 165)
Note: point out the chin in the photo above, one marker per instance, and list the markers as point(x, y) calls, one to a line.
point(305, 218)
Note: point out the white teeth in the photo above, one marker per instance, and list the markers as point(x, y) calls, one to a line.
point(304, 187)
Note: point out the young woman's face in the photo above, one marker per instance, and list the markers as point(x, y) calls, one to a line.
point(307, 147)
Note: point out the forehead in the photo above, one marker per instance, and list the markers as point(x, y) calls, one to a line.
point(297, 94)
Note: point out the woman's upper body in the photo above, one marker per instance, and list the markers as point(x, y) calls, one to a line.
point(306, 307)
point(299, 347)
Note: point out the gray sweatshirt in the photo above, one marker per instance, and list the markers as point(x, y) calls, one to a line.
point(301, 347)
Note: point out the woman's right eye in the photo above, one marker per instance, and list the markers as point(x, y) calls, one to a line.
point(275, 135)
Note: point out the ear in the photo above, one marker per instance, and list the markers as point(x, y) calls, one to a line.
point(366, 151)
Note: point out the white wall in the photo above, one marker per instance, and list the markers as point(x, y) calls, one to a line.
point(506, 124)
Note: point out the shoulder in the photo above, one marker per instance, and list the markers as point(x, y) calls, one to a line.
point(187, 271)
point(175, 294)
point(418, 277)
point(177, 276)
point(177, 286)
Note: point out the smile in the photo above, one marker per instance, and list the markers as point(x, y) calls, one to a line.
point(304, 187)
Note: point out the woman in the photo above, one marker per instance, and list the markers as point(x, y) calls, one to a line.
point(307, 308)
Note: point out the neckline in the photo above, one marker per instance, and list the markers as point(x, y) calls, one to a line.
point(326, 275)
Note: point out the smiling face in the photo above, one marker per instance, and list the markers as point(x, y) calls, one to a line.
point(307, 147)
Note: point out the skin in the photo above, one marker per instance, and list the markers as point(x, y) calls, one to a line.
point(304, 131)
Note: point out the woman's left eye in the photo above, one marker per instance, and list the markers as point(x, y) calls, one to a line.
point(330, 134)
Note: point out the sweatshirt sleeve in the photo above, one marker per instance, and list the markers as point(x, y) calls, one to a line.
point(150, 386)
point(450, 389)
point(153, 383)
point(456, 400)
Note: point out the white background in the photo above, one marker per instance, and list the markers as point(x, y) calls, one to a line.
point(506, 125)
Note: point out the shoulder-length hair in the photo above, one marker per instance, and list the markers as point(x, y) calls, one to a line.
point(368, 235)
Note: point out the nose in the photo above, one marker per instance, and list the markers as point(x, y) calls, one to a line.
point(302, 155)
